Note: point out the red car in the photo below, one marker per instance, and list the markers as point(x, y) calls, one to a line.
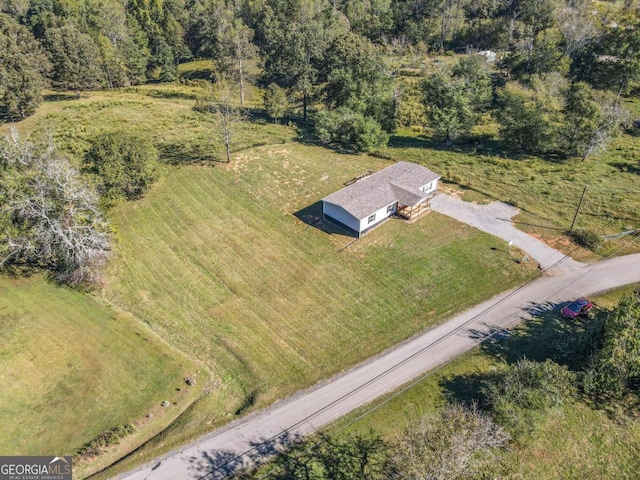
point(578, 308)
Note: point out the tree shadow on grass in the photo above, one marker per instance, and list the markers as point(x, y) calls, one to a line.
point(198, 74)
point(313, 218)
point(543, 335)
point(260, 116)
point(6, 117)
point(61, 97)
point(180, 154)
point(479, 145)
point(627, 167)
point(223, 464)
point(168, 94)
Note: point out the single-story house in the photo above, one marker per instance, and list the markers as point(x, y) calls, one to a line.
point(403, 189)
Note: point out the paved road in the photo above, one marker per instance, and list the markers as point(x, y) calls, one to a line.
point(217, 454)
point(495, 218)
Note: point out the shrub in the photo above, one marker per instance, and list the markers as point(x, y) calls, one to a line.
point(125, 164)
point(349, 129)
point(587, 238)
point(526, 389)
point(615, 362)
point(105, 439)
point(459, 442)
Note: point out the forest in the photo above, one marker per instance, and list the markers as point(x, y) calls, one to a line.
point(558, 68)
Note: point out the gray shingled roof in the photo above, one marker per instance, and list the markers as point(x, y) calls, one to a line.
point(399, 182)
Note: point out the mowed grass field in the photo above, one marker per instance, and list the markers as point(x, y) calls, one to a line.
point(72, 368)
point(573, 441)
point(223, 263)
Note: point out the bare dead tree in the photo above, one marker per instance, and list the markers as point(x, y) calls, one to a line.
point(612, 116)
point(449, 445)
point(578, 28)
point(228, 116)
point(53, 216)
point(243, 51)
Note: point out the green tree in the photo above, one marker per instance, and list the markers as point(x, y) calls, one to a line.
point(524, 20)
point(41, 15)
point(75, 58)
point(520, 393)
point(542, 54)
point(15, 8)
point(612, 59)
point(50, 215)
point(590, 121)
point(582, 116)
point(370, 18)
point(158, 20)
point(206, 22)
point(122, 44)
point(530, 117)
point(125, 164)
point(616, 359)
point(448, 105)
point(620, 67)
point(22, 69)
point(295, 37)
point(356, 79)
point(455, 97)
point(275, 102)
point(349, 129)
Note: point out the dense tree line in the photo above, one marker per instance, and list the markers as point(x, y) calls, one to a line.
point(556, 58)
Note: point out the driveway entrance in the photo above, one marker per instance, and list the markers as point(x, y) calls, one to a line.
point(495, 218)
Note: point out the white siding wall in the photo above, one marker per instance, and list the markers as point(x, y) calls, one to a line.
point(430, 187)
point(341, 215)
point(380, 216)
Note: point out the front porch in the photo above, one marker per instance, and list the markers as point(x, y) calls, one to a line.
point(411, 212)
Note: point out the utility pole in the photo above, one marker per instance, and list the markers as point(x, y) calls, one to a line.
point(575, 217)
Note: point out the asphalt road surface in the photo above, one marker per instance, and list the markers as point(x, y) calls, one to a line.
point(255, 437)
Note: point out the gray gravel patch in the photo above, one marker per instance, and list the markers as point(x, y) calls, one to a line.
point(495, 218)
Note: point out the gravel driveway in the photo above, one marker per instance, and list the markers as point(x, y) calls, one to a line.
point(495, 218)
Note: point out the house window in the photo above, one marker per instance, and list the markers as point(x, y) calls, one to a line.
point(390, 208)
point(372, 218)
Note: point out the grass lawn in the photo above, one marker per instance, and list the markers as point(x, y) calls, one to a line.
point(576, 441)
point(222, 262)
point(72, 368)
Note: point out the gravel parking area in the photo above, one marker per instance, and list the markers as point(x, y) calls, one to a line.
point(495, 218)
